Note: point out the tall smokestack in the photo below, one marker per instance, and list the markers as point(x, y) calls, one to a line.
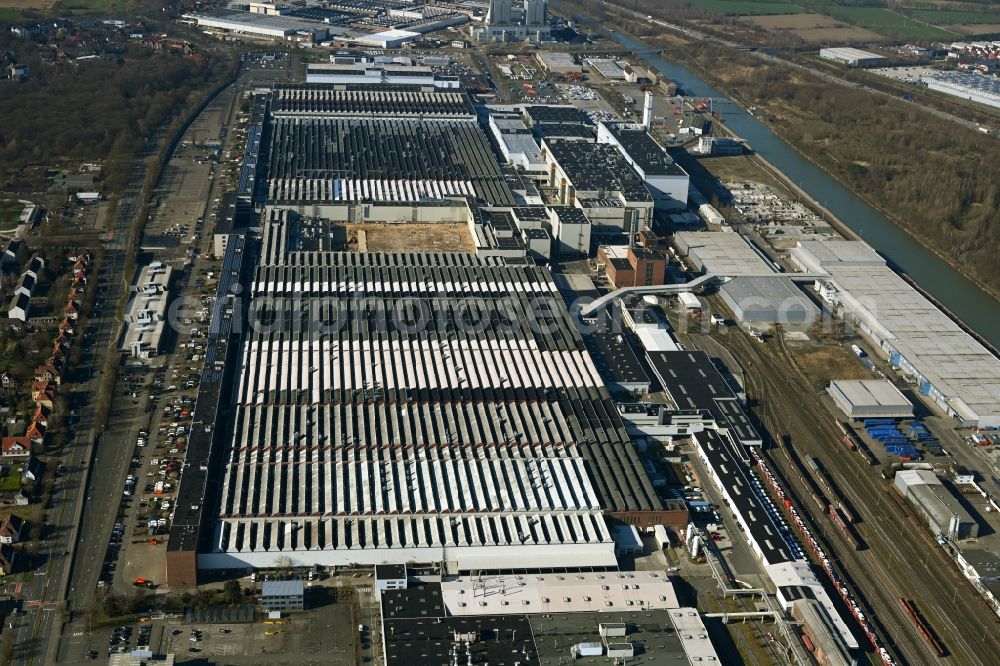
point(647, 111)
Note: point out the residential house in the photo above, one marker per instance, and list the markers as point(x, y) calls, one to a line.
point(62, 343)
point(26, 284)
point(43, 392)
point(41, 415)
point(15, 447)
point(19, 307)
point(9, 256)
point(50, 371)
point(36, 432)
point(30, 470)
point(11, 527)
point(36, 265)
point(18, 72)
point(8, 381)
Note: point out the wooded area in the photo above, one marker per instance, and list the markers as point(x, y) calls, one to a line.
point(98, 109)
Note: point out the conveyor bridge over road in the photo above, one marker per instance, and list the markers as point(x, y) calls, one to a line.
point(700, 281)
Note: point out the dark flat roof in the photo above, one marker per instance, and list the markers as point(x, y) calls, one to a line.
point(566, 131)
point(615, 359)
point(690, 378)
point(645, 151)
point(557, 114)
point(741, 488)
point(693, 382)
point(597, 167)
point(570, 215)
point(390, 571)
point(414, 602)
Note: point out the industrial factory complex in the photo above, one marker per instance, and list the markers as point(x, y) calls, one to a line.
point(461, 343)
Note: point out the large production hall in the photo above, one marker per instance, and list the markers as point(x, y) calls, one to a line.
point(399, 407)
point(427, 424)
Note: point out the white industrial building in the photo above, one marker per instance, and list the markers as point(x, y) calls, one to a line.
point(378, 74)
point(517, 142)
point(720, 253)
point(571, 231)
point(388, 39)
point(666, 181)
point(557, 62)
point(982, 88)
point(947, 364)
point(262, 25)
point(146, 311)
point(694, 636)
point(414, 472)
point(584, 592)
point(770, 538)
point(597, 179)
point(607, 68)
point(853, 57)
point(869, 399)
point(768, 300)
point(940, 508)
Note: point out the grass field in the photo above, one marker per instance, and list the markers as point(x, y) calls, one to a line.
point(886, 22)
point(9, 15)
point(10, 212)
point(950, 17)
point(92, 6)
point(747, 7)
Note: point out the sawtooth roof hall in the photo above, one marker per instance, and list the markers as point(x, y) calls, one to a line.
point(371, 443)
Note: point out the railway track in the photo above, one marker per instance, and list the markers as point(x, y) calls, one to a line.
point(900, 559)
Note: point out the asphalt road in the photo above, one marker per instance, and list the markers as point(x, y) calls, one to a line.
point(901, 560)
point(35, 642)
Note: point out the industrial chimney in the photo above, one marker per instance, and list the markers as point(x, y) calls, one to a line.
point(647, 111)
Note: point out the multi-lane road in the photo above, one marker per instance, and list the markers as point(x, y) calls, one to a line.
point(35, 632)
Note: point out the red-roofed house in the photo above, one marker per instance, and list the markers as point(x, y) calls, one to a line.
point(36, 432)
point(11, 527)
point(43, 392)
point(15, 447)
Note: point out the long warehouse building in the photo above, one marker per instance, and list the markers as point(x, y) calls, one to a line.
point(948, 365)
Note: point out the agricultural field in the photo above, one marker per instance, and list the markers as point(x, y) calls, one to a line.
point(9, 8)
point(93, 6)
point(14, 10)
point(814, 28)
point(953, 17)
point(747, 7)
point(970, 29)
point(819, 21)
point(886, 22)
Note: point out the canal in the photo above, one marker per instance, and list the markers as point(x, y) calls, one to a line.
point(977, 309)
